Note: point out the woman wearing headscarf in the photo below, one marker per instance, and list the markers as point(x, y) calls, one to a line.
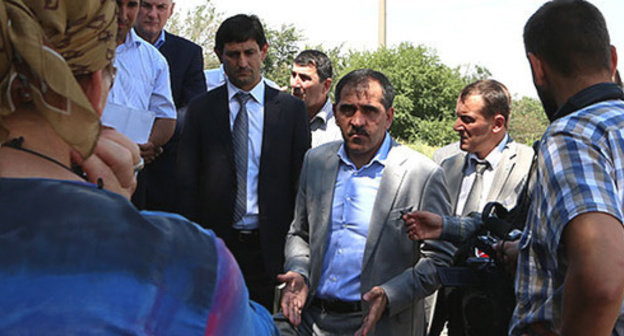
point(75, 256)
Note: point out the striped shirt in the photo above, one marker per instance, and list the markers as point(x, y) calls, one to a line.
point(142, 80)
point(580, 170)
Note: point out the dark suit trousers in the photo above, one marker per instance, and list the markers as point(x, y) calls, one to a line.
point(248, 253)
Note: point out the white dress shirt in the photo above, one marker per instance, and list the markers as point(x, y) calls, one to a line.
point(142, 80)
point(323, 126)
point(488, 175)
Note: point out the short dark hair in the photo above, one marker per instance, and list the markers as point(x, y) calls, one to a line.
point(240, 28)
point(318, 59)
point(570, 35)
point(363, 76)
point(496, 97)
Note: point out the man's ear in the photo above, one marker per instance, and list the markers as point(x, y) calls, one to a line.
point(327, 85)
point(171, 9)
point(218, 53)
point(538, 70)
point(499, 123)
point(390, 116)
point(263, 51)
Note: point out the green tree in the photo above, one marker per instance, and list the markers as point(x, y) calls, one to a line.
point(282, 50)
point(426, 90)
point(528, 120)
point(199, 25)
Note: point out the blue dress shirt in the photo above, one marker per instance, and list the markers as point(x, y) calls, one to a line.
point(161, 39)
point(255, 112)
point(354, 198)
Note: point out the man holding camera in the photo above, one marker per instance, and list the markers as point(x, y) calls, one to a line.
point(570, 279)
point(490, 167)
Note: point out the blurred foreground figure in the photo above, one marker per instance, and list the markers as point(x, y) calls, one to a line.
point(76, 258)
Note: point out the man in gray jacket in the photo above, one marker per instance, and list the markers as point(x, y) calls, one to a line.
point(350, 267)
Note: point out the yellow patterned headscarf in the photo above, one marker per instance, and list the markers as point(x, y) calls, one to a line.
point(49, 42)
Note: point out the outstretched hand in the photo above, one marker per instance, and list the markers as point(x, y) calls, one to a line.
point(294, 296)
point(378, 300)
point(423, 225)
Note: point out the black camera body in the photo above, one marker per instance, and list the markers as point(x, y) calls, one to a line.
point(479, 293)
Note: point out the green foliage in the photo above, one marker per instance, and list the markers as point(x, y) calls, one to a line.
point(199, 25)
point(282, 50)
point(528, 120)
point(426, 89)
point(437, 132)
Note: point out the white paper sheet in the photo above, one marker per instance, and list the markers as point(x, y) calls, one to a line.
point(134, 123)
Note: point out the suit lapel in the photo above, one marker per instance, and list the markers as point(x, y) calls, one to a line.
point(221, 120)
point(386, 194)
point(506, 165)
point(326, 181)
point(454, 170)
point(272, 117)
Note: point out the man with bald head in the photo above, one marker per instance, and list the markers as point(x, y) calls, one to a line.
point(186, 63)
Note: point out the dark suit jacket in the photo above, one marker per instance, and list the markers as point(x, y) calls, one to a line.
point(156, 187)
point(186, 68)
point(206, 176)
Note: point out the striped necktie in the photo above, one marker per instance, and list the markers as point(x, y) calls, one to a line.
point(240, 139)
point(474, 196)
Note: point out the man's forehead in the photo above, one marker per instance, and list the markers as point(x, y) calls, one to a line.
point(158, 2)
point(245, 45)
point(362, 89)
point(308, 69)
point(369, 91)
point(472, 102)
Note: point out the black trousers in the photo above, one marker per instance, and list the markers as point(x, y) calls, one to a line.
point(247, 250)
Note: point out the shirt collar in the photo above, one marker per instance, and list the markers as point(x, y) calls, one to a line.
point(495, 155)
point(161, 40)
point(380, 157)
point(132, 39)
point(325, 113)
point(257, 93)
point(589, 96)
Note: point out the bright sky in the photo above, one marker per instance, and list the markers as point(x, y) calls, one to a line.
point(478, 32)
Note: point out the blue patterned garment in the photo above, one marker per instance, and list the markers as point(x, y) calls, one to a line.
point(75, 260)
point(580, 170)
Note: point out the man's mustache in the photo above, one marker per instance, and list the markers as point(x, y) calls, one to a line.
point(358, 130)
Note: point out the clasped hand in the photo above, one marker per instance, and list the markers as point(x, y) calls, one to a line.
point(112, 162)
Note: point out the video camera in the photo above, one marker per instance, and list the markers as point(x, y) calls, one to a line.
point(479, 293)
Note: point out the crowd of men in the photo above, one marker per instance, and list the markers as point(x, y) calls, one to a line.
point(204, 191)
